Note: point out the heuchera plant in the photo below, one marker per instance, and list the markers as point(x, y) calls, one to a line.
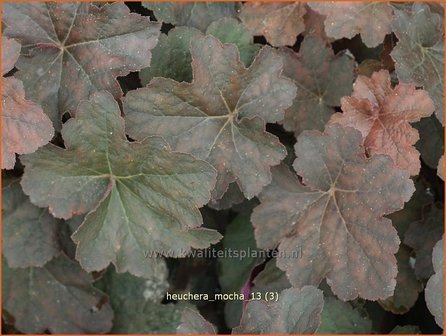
point(297, 146)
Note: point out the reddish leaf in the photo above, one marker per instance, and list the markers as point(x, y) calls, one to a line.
point(220, 116)
point(335, 216)
point(73, 49)
point(422, 236)
point(435, 286)
point(24, 124)
point(279, 22)
point(10, 54)
point(322, 79)
point(141, 197)
point(346, 19)
point(297, 311)
point(314, 24)
point(383, 115)
point(58, 298)
point(419, 53)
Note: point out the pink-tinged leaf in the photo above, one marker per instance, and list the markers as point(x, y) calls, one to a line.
point(383, 115)
point(435, 286)
point(29, 233)
point(140, 197)
point(57, 298)
point(407, 285)
point(193, 323)
point(322, 79)
point(24, 124)
point(440, 169)
point(422, 236)
point(314, 24)
point(10, 54)
point(419, 53)
point(279, 22)
point(335, 215)
point(219, 117)
point(297, 311)
point(72, 49)
point(346, 19)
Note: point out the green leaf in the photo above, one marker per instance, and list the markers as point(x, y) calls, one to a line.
point(235, 272)
point(334, 215)
point(239, 238)
point(219, 117)
point(321, 78)
point(340, 317)
point(435, 286)
point(297, 311)
point(271, 279)
point(193, 323)
point(140, 196)
point(136, 303)
point(192, 14)
point(29, 233)
point(406, 330)
point(172, 58)
point(229, 30)
point(72, 49)
point(407, 285)
point(419, 53)
point(57, 298)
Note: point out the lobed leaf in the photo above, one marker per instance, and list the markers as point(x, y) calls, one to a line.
point(321, 78)
point(172, 58)
point(419, 53)
point(219, 117)
point(139, 197)
point(298, 311)
point(10, 54)
point(340, 317)
point(56, 298)
point(193, 323)
point(73, 49)
point(192, 14)
point(25, 126)
point(335, 215)
point(136, 303)
point(346, 19)
point(435, 286)
point(383, 115)
point(279, 22)
point(422, 236)
point(29, 233)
